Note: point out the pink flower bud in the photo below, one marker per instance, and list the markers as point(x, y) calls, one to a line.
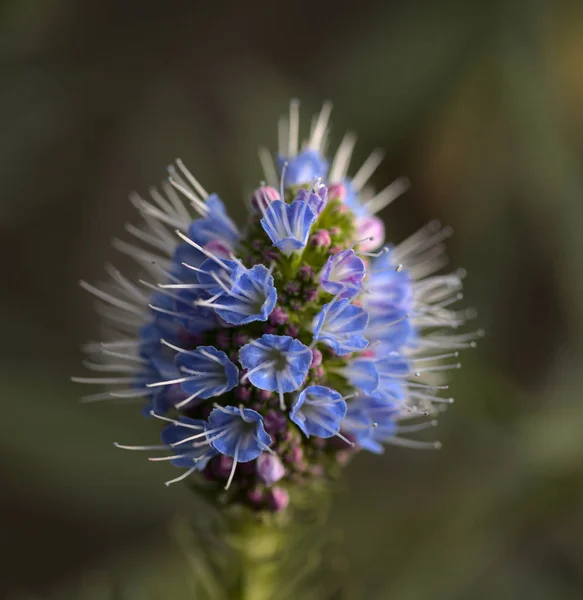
point(320, 239)
point(223, 338)
point(269, 468)
point(370, 227)
point(278, 499)
point(243, 393)
point(275, 422)
point(255, 497)
point(337, 191)
point(264, 195)
point(316, 358)
point(278, 316)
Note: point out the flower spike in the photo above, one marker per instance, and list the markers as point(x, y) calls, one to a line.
point(271, 353)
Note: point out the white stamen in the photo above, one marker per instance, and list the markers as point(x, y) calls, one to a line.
point(181, 477)
point(368, 168)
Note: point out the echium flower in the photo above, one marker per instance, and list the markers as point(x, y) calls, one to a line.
point(272, 352)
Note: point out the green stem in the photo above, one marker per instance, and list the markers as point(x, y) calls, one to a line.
point(259, 546)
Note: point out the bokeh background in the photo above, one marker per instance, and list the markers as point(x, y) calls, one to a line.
point(479, 103)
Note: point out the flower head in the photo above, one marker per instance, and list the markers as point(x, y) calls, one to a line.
point(289, 344)
point(276, 363)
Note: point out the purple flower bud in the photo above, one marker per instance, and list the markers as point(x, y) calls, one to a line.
point(278, 499)
point(270, 255)
point(306, 273)
point(274, 422)
point(292, 287)
point(278, 316)
point(337, 191)
point(286, 436)
point(264, 394)
point(343, 457)
point(316, 358)
point(316, 198)
point(223, 338)
point(311, 294)
point(295, 457)
point(370, 227)
point(296, 305)
point(317, 470)
point(243, 393)
point(292, 331)
point(269, 468)
point(255, 497)
point(320, 239)
point(264, 195)
point(240, 339)
point(319, 371)
point(221, 466)
point(270, 329)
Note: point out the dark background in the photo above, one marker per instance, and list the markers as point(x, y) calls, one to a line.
point(479, 103)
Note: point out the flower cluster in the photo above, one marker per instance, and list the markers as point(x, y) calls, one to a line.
point(272, 354)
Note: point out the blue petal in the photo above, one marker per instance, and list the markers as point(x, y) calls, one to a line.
point(318, 411)
point(351, 200)
point(340, 325)
point(190, 455)
point(246, 437)
point(288, 225)
point(363, 375)
point(253, 298)
point(217, 225)
point(218, 374)
point(392, 330)
point(306, 167)
point(292, 362)
point(343, 274)
point(228, 271)
point(316, 199)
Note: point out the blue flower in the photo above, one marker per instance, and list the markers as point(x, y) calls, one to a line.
point(352, 200)
point(342, 274)
point(316, 197)
point(340, 325)
point(288, 225)
point(388, 289)
point(270, 469)
point(371, 421)
point(391, 330)
point(318, 411)
point(251, 298)
point(188, 452)
point(238, 433)
point(362, 374)
point(216, 225)
point(392, 374)
point(276, 363)
point(206, 372)
point(215, 275)
point(305, 167)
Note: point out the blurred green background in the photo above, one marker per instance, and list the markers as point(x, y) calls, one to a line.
point(479, 103)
